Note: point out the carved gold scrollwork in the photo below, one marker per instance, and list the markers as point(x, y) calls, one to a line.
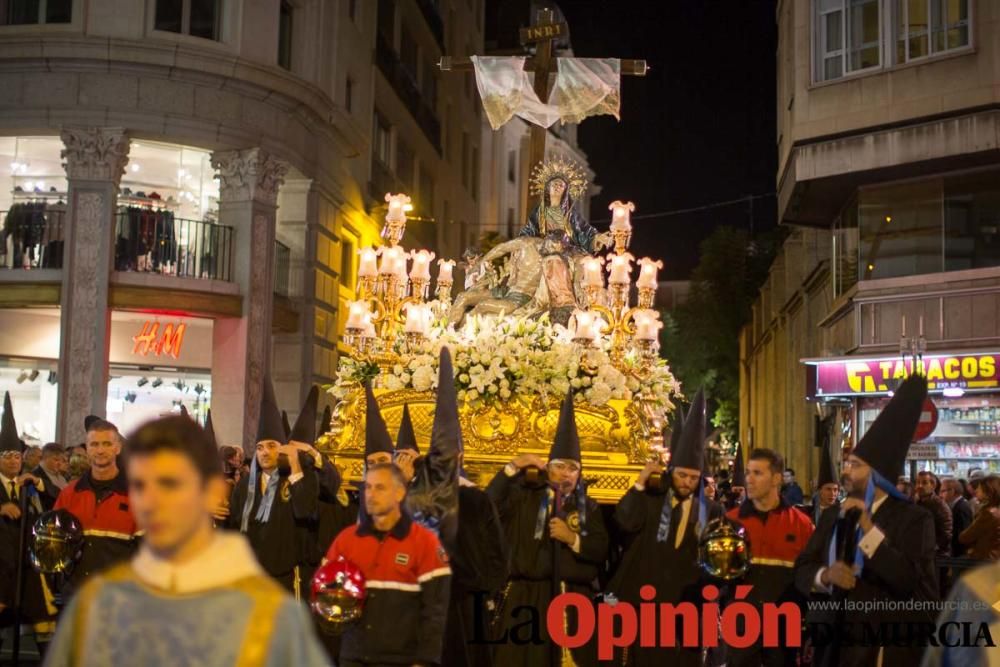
point(614, 438)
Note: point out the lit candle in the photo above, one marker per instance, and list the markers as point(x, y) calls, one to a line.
point(415, 319)
point(356, 311)
point(445, 267)
point(586, 325)
point(387, 265)
point(401, 266)
point(367, 267)
point(421, 269)
point(621, 268)
point(368, 325)
point(592, 274)
point(392, 258)
point(647, 273)
point(397, 207)
point(647, 325)
point(621, 215)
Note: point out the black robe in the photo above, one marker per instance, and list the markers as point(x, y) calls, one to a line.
point(478, 572)
point(328, 519)
point(902, 568)
point(280, 543)
point(51, 490)
point(674, 572)
point(37, 598)
point(538, 569)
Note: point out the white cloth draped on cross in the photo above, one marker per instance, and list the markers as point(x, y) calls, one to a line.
point(584, 87)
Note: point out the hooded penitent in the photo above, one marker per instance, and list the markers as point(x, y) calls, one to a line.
point(269, 427)
point(688, 453)
point(566, 446)
point(690, 449)
point(884, 448)
point(433, 495)
point(828, 469)
point(406, 438)
point(887, 440)
point(286, 426)
point(9, 442)
point(377, 437)
point(305, 425)
point(739, 475)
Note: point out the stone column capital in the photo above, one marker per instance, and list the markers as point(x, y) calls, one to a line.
point(95, 153)
point(250, 174)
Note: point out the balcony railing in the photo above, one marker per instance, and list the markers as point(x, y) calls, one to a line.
point(402, 82)
point(282, 268)
point(157, 242)
point(31, 237)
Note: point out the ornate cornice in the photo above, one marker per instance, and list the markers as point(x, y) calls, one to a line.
point(95, 153)
point(249, 174)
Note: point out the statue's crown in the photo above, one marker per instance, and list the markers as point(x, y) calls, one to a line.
point(567, 170)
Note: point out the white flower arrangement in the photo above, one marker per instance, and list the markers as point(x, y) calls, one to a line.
point(499, 358)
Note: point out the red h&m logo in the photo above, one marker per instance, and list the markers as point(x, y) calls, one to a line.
point(149, 341)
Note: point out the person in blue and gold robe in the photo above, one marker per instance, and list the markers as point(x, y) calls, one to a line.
point(192, 595)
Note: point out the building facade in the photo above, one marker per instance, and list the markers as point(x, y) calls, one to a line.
point(889, 176)
point(188, 186)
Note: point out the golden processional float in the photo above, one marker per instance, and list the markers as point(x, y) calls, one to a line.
point(535, 320)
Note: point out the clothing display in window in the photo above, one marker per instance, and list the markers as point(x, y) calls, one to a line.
point(32, 236)
point(145, 240)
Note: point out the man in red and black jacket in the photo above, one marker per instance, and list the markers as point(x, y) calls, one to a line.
point(406, 576)
point(778, 533)
point(99, 499)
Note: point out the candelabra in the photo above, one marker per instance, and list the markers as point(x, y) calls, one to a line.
point(633, 330)
point(391, 313)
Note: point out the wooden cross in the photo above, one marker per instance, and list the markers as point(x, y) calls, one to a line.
point(542, 33)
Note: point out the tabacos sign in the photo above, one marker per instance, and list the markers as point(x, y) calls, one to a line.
point(845, 377)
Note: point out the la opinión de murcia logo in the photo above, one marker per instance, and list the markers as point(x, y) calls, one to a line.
point(735, 623)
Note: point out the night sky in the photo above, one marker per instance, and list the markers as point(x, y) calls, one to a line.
point(698, 129)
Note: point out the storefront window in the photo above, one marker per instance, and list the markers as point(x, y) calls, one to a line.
point(32, 203)
point(167, 210)
point(135, 397)
point(179, 177)
point(34, 389)
point(157, 363)
point(967, 435)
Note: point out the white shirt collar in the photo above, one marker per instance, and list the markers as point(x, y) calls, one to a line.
point(227, 559)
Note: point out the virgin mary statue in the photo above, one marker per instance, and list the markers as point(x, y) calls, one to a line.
point(539, 271)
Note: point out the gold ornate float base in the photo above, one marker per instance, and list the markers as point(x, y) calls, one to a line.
point(614, 439)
